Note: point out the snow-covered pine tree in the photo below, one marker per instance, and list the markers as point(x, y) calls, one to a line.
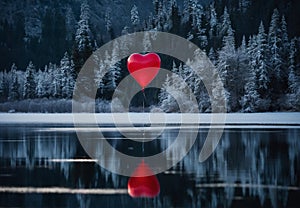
point(12, 78)
point(213, 21)
point(108, 24)
point(4, 85)
point(1, 86)
point(70, 23)
point(115, 69)
point(212, 55)
point(176, 91)
point(293, 79)
point(40, 87)
point(275, 59)
point(15, 89)
point(250, 100)
point(135, 18)
point(292, 82)
point(83, 43)
point(50, 85)
point(261, 52)
point(284, 54)
point(67, 77)
point(225, 23)
point(284, 38)
point(29, 84)
point(226, 67)
point(242, 67)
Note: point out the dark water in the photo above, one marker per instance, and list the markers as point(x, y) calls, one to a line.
point(45, 166)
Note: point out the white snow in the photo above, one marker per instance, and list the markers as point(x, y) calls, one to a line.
point(290, 118)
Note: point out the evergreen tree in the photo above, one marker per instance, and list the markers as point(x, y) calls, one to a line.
point(1, 86)
point(4, 85)
point(284, 54)
point(260, 54)
point(225, 24)
point(250, 100)
point(212, 55)
point(293, 82)
point(15, 94)
point(227, 67)
point(174, 91)
point(108, 24)
point(135, 19)
point(213, 24)
point(70, 23)
point(243, 60)
point(40, 87)
point(115, 69)
point(67, 81)
point(29, 84)
point(83, 44)
point(244, 5)
point(13, 91)
point(284, 38)
point(275, 59)
point(175, 18)
point(293, 79)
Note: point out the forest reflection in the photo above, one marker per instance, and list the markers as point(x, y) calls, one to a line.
point(250, 168)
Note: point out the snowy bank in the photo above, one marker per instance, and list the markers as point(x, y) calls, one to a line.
point(291, 118)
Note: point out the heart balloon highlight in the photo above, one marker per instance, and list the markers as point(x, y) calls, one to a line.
point(143, 68)
point(143, 186)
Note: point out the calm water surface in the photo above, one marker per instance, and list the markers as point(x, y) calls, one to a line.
point(45, 166)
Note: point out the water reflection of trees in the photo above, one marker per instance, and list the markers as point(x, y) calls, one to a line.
point(256, 157)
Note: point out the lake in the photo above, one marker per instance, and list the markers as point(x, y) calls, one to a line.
point(44, 165)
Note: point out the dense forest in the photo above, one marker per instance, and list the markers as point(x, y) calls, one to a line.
point(254, 45)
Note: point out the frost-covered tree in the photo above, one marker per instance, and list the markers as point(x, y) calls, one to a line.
point(115, 69)
point(1, 85)
point(258, 82)
point(67, 79)
point(15, 90)
point(284, 38)
point(293, 82)
point(227, 67)
point(212, 55)
point(108, 24)
point(250, 100)
point(275, 44)
point(135, 19)
point(11, 79)
point(29, 84)
point(212, 22)
point(176, 91)
point(260, 56)
point(293, 79)
point(225, 23)
point(70, 23)
point(83, 44)
point(32, 24)
point(13, 82)
point(40, 86)
point(4, 85)
point(284, 52)
point(49, 80)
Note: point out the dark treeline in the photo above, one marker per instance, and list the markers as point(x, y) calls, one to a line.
point(258, 60)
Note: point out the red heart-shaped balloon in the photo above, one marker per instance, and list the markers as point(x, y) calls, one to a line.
point(140, 185)
point(143, 68)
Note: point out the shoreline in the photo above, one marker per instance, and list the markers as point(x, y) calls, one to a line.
point(277, 118)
